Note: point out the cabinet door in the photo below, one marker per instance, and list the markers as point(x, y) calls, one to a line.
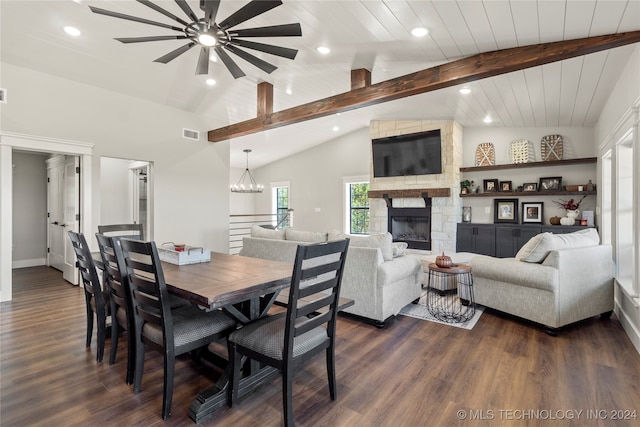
point(506, 241)
point(465, 238)
point(485, 241)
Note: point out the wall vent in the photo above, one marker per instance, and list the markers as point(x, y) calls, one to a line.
point(191, 134)
point(3, 96)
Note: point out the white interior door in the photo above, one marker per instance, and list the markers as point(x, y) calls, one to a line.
point(63, 198)
point(140, 177)
point(71, 215)
point(55, 190)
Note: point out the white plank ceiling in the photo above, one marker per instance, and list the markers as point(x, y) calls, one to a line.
point(372, 34)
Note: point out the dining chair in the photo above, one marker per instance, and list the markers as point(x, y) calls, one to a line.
point(120, 299)
point(171, 332)
point(133, 231)
point(286, 341)
point(96, 298)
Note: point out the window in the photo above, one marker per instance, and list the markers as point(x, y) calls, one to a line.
point(357, 206)
point(280, 204)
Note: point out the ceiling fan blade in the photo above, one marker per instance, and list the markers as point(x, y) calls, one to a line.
point(263, 65)
point(162, 11)
point(284, 52)
point(233, 68)
point(203, 61)
point(210, 8)
point(248, 11)
point(186, 9)
point(286, 30)
point(149, 39)
point(132, 18)
point(175, 53)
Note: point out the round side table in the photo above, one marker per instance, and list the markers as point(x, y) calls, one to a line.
point(450, 307)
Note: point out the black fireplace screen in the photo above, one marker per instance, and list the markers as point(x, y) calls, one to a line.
point(411, 225)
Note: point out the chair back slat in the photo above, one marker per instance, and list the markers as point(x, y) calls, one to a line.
point(114, 267)
point(317, 277)
point(87, 268)
point(150, 297)
point(131, 231)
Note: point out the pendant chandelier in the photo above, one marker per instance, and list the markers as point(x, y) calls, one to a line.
point(246, 183)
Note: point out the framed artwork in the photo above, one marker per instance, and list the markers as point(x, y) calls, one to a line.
point(552, 183)
point(530, 186)
point(532, 212)
point(505, 211)
point(490, 185)
point(466, 214)
point(505, 186)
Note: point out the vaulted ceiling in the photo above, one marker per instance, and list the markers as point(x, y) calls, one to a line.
point(371, 34)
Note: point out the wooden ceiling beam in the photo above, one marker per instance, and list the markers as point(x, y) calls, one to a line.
point(265, 99)
point(360, 78)
point(465, 70)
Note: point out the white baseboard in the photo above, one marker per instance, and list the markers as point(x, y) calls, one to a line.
point(29, 263)
point(629, 327)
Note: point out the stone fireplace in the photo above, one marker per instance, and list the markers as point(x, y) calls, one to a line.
point(440, 191)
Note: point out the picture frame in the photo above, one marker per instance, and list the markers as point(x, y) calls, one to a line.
point(505, 186)
point(466, 214)
point(532, 212)
point(505, 211)
point(530, 186)
point(552, 183)
point(490, 186)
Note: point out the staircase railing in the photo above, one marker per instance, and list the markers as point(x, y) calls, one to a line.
point(240, 226)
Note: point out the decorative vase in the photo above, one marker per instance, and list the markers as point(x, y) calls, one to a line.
point(570, 219)
point(443, 261)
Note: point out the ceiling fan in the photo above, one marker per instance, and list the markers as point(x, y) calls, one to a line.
point(221, 36)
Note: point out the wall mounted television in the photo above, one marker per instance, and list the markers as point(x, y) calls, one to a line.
point(412, 154)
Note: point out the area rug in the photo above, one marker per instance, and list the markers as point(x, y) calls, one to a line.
point(420, 311)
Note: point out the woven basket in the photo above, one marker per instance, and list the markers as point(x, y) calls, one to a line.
point(521, 151)
point(551, 148)
point(485, 154)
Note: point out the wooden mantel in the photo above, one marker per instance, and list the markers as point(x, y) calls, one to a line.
point(410, 193)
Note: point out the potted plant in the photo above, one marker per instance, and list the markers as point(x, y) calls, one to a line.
point(465, 186)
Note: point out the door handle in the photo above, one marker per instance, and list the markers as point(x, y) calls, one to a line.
point(63, 225)
point(55, 223)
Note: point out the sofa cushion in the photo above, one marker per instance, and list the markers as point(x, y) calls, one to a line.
point(305, 236)
point(398, 248)
point(267, 233)
point(377, 241)
point(539, 246)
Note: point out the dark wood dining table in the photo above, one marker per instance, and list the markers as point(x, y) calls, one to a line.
point(245, 288)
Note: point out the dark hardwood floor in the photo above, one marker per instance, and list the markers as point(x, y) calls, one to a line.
point(414, 373)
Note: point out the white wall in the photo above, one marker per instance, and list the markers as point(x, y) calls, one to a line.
point(315, 177)
point(29, 210)
point(241, 203)
point(191, 178)
point(115, 203)
point(618, 115)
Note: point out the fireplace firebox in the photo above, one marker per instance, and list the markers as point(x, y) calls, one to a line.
point(410, 225)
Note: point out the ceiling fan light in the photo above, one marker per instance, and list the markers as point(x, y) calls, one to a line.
point(207, 39)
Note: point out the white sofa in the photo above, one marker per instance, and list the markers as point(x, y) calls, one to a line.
point(554, 280)
point(379, 282)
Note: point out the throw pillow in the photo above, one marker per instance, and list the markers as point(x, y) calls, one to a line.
point(577, 239)
point(267, 233)
point(537, 248)
point(399, 248)
point(305, 236)
point(378, 241)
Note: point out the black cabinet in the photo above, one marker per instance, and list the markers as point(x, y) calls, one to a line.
point(510, 238)
point(502, 240)
point(476, 238)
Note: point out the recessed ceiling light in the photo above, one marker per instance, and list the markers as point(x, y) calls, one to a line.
point(465, 91)
point(323, 50)
point(72, 31)
point(336, 128)
point(211, 82)
point(419, 32)
point(288, 91)
point(487, 119)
